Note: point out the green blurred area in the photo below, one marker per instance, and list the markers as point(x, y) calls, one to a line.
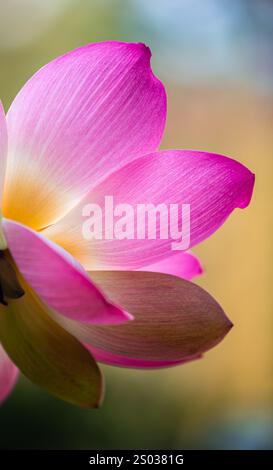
point(219, 82)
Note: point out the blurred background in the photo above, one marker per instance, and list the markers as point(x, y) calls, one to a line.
point(215, 58)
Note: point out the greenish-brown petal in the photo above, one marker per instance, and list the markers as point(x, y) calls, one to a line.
point(174, 319)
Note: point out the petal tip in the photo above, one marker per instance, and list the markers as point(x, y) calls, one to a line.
point(230, 325)
point(227, 326)
point(198, 267)
point(101, 395)
point(200, 271)
point(142, 52)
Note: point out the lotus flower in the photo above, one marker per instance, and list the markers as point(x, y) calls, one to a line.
point(86, 125)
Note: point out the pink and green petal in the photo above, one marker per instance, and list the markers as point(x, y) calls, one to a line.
point(175, 320)
point(47, 354)
point(185, 265)
point(76, 120)
point(213, 185)
point(57, 278)
point(8, 375)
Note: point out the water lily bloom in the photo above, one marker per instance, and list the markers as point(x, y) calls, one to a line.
point(86, 125)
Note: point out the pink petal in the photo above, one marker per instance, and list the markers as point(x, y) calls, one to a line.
point(174, 321)
point(8, 375)
point(57, 278)
point(111, 359)
point(213, 186)
point(45, 353)
point(185, 265)
point(3, 149)
point(76, 120)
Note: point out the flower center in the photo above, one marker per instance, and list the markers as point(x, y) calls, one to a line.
point(10, 287)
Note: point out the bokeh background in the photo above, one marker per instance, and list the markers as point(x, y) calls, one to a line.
point(215, 58)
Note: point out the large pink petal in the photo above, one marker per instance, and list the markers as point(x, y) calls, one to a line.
point(213, 186)
point(8, 375)
point(174, 321)
point(3, 150)
point(57, 278)
point(77, 119)
point(185, 265)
